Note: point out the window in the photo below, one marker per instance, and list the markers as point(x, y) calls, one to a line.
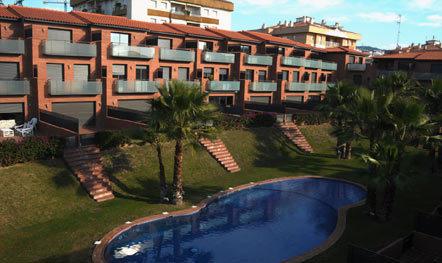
point(206, 12)
point(163, 21)
point(436, 68)
point(352, 59)
point(295, 76)
point(249, 74)
point(154, 3)
point(120, 38)
point(404, 66)
point(262, 75)
point(215, 13)
point(60, 35)
point(222, 101)
point(205, 45)
point(208, 73)
point(164, 73)
point(306, 77)
point(245, 49)
point(314, 77)
point(81, 72)
point(357, 79)
point(153, 20)
point(142, 72)
point(9, 70)
point(284, 75)
point(183, 73)
point(119, 72)
point(165, 43)
point(163, 5)
point(223, 74)
point(55, 72)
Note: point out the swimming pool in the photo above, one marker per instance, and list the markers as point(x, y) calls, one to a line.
point(267, 222)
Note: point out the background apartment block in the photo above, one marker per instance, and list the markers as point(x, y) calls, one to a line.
point(202, 13)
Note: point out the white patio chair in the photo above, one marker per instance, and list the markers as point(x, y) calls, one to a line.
point(27, 129)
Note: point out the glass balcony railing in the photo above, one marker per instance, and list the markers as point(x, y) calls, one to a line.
point(427, 76)
point(224, 86)
point(318, 87)
point(302, 87)
point(214, 57)
point(293, 61)
point(177, 55)
point(356, 67)
point(125, 51)
point(309, 63)
point(259, 60)
point(329, 66)
point(74, 88)
point(12, 46)
point(14, 87)
point(61, 48)
point(263, 86)
point(136, 86)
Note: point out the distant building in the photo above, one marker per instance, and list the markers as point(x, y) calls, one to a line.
point(430, 45)
point(307, 31)
point(202, 13)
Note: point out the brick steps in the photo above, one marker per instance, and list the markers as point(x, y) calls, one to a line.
point(221, 154)
point(291, 131)
point(87, 166)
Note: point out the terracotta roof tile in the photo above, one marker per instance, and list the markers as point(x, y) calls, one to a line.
point(430, 55)
point(6, 13)
point(408, 55)
point(192, 30)
point(345, 50)
point(118, 21)
point(47, 15)
point(233, 35)
point(279, 40)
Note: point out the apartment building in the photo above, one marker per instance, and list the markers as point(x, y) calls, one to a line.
point(82, 72)
point(423, 66)
point(306, 30)
point(202, 13)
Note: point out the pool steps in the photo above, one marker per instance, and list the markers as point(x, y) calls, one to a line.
point(291, 131)
point(87, 166)
point(218, 150)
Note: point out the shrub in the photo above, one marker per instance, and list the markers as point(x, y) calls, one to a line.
point(263, 120)
point(312, 118)
point(230, 122)
point(29, 149)
point(112, 139)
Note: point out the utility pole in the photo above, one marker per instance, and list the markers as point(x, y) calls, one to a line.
point(63, 2)
point(399, 22)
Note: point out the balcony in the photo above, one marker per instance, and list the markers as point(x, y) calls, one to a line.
point(356, 67)
point(136, 86)
point(293, 61)
point(12, 46)
point(309, 63)
point(303, 87)
point(259, 60)
point(67, 49)
point(263, 86)
point(74, 88)
point(177, 55)
point(223, 58)
point(427, 76)
point(329, 66)
point(224, 86)
point(318, 87)
point(14, 87)
point(125, 51)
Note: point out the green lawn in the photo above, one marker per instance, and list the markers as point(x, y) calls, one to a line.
point(45, 216)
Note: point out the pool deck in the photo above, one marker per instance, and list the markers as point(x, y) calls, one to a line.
point(98, 253)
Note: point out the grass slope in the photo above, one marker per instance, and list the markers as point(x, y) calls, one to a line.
point(45, 216)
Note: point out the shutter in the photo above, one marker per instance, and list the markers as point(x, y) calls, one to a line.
point(54, 71)
point(294, 98)
point(138, 105)
point(8, 70)
point(61, 35)
point(119, 70)
point(165, 43)
point(81, 72)
point(83, 111)
point(260, 99)
point(11, 107)
point(183, 74)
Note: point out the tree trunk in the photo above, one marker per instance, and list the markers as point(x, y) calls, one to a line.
point(348, 150)
point(178, 195)
point(338, 149)
point(389, 197)
point(434, 161)
point(162, 173)
point(372, 199)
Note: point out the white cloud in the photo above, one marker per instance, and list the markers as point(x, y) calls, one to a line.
point(432, 21)
point(319, 4)
point(421, 4)
point(385, 17)
point(261, 2)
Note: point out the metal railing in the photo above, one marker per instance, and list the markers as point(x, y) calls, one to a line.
point(177, 55)
point(74, 87)
point(356, 67)
point(302, 87)
point(263, 86)
point(125, 51)
point(12, 46)
point(62, 48)
point(259, 60)
point(215, 57)
point(224, 86)
point(136, 86)
point(14, 87)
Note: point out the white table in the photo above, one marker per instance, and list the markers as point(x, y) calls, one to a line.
point(7, 133)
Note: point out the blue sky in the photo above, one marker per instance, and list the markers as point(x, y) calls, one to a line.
point(374, 19)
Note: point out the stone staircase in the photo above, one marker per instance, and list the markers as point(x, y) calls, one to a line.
point(292, 133)
point(219, 151)
point(86, 164)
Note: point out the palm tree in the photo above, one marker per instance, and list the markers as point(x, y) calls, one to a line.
point(185, 112)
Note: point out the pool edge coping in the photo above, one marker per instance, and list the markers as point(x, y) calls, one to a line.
point(99, 250)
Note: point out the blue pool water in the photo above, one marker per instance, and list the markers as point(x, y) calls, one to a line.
point(266, 223)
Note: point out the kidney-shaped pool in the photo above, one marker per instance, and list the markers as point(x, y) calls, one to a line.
point(269, 222)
